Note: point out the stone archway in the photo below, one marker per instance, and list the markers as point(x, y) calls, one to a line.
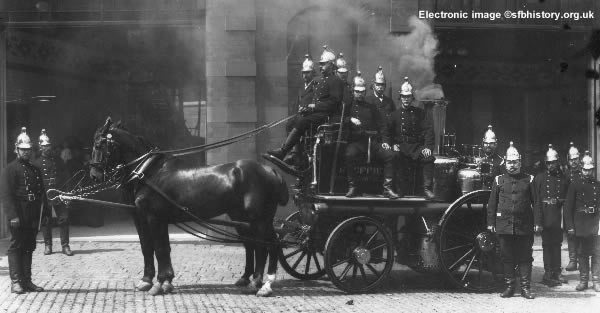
point(307, 32)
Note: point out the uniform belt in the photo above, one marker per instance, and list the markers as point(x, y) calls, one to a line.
point(408, 139)
point(588, 210)
point(28, 197)
point(552, 200)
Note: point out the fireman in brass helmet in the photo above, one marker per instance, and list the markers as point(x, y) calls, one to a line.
point(573, 173)
point(384, 103)
point(582, 215)
point(492, 163)
point(305, 98)
point(326, 101)
point(54, 175)
point(512, 217)
point(23, 201)
point(551, 189)
point(365, 117)
point(409, 132)
point(342, 73)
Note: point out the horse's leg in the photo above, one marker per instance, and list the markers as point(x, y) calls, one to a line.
point(162, 250)
point(261, 256)
point(143, 230)
point(273, 252)
point(249, 249)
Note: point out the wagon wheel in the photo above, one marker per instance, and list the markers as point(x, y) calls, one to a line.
point(469, 254)
point(359, 254)
point(305, 260)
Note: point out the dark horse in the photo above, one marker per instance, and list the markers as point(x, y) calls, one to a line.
point(246, 191)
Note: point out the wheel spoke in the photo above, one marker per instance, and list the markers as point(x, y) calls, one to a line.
point(345, 271)
point(469, 206)
point(468, 267)
point(293, 253)
point(317, 262)
point(341, 262)
point(298, 261)
point(378, 247)
point(307, 266)
point(362, 273)
point(376, 259)
point(460, 260)
point(354, 271)
point(372, 237)
point(458, 247)
point(372, 269)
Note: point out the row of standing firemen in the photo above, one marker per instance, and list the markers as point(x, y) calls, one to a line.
point(555, 200)
point(23, 186)
point(400, 134)
point(519, 205)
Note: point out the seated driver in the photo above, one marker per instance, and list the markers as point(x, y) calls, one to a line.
point(327, 98)
point(365, 116)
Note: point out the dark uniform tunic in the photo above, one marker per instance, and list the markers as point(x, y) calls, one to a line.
point(22, 195)
point(327, 97)
point(412, 132)
point(385, 105)
point(358, 145)
point(54, 174)
point(551, 191)
point(304, 99)
point(582, 214)
point(511, 212)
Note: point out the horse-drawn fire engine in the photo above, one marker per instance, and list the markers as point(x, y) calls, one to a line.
point(355, 241)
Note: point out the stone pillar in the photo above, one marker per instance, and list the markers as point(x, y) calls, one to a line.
point(594, 105)
point(230, 77)
point(4, 144)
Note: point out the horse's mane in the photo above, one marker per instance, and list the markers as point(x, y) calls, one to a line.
point(142, 140)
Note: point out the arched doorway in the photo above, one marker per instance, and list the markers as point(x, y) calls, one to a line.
point(307, 32)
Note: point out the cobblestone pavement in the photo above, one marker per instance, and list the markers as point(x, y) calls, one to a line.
point(101, 277)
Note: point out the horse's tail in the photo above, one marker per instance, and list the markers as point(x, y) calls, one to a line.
point(283, 195)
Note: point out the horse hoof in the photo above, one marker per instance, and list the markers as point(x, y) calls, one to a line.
point(167, 287)
point(265, 291)
point(155, 290)
point(242, 282)
point(143, 286)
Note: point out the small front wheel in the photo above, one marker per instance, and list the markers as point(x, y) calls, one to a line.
point(359, 254)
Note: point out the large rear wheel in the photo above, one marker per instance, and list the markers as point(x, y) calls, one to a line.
point(469, 254)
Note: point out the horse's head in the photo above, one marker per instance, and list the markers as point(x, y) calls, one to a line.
point(113, 145)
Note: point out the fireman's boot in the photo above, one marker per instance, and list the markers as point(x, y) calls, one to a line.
point(428, 180)
point(352, 184)
point(388, 189)
point(47, 233)
point(584, 273)
point(572, 245)
point(509, 280)
point(525, 271)
point(28, 285)
point(15, 272)
point(289, 143)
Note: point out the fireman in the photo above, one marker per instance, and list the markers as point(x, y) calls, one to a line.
point(511, 216)
point(573, 173)
point(384, 103)
point(23, 201)
point(304, 99)
point(491, 158)
point(551, 189)
point(326, 101)
point(54, 175)
point(342, 73)
point(411, 134)
point(365, 117)
point(582, 216)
